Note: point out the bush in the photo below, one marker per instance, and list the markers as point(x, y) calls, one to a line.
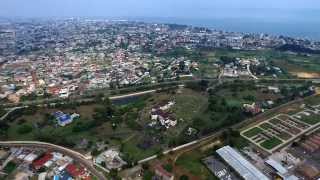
point(184, 177)
point(24, 129)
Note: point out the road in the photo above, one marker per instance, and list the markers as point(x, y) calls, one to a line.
point(132, 94)
point(9, 112)
point(81, 98)
point(250, 73)
point(78, 157)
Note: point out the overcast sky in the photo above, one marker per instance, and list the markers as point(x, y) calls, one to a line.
point(268, 9)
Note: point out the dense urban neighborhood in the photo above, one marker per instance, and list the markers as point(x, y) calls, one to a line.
point(115, 99)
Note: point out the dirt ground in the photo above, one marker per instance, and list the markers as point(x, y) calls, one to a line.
point(306, 75)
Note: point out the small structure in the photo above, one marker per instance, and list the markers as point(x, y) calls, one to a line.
point(77, 172)
point(111, 158)
point(252, 108)
point(65, 119)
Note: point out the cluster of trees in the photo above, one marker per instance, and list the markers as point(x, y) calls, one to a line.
point(198, 86)
point(220, 114)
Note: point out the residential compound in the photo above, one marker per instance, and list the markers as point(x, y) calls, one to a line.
point(64, 57)
point(26, 163)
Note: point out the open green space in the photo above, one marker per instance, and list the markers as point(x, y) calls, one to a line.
point(265, 126)
point(312, 119)
point(192, 163)
point(271, 143)
point(252, 132)
point(10, 167)
point(274, 121)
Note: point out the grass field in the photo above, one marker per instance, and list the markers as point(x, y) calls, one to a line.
point(271, 143)
point(10, 167)
point(192, 163)
point(312, 120)
point(131, 148)
point(265, 126)
point(188, 104)
point(252, 132)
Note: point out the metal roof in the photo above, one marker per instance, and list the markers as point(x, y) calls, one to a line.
point(277, 166)
point(240, 164)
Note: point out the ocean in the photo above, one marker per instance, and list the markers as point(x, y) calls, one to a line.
point(298, 29)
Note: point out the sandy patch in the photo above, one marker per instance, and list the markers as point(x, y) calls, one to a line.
point(306, 75)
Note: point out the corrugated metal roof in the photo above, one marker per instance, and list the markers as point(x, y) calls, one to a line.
point(240, 164)
point(277, 166)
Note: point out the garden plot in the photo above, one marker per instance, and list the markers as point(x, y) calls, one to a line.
point(282, 129)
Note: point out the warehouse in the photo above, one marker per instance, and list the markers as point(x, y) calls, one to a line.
point(243, 167)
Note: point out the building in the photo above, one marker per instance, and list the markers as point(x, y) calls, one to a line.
point(309, 171)
point(65, 119)
point(242, 166)
point(281, 170)
point(252, 108)
point(112, 159)
point(39, 163)
point(77, 172)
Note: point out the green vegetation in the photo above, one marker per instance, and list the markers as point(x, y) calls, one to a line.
point(192, 163)
point(266, 126)
point(271, 143)
point(234, 139)
point(168, 167)
point(312, 120)
point(24, 129)
point(252, 132)
point(10, 167)
point(134, 153)
point(147, 175)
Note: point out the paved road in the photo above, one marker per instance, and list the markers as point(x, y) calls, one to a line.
point(9, 112)
point(83, 160)
point(81, 98)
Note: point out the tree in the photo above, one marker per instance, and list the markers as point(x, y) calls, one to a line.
point(182, 66)
point(24, 129)
point(95, 152)
point(184, 177)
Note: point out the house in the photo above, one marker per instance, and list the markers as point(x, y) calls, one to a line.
point(64, 93)
point(65, 119)
point(39, 163)
point(159, 113)
point(274, 89)
point(112, 159)
point(77, 172)
point(252, 108)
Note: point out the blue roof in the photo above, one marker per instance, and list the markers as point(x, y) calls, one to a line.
point(65, 117)
point(65, 176)
point(56, 177)
point(58, 114)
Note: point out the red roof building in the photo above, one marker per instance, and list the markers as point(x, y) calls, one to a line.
point(76, 172)
point(39, 163)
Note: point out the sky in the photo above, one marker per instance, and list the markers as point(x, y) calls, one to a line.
point(266, 9)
